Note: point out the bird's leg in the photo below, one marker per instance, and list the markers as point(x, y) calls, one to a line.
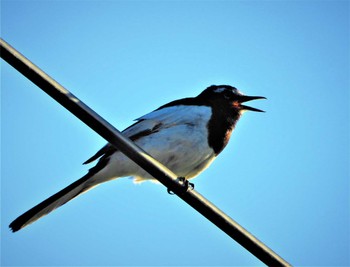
point(188, 185)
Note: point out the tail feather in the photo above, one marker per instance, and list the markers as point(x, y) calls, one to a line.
point(73, 190)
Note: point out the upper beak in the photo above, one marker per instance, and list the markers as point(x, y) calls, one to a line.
point(245, 98)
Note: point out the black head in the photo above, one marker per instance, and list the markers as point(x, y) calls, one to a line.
point(229, 94)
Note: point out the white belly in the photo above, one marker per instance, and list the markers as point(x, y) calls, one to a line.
point(186, 154)
point(181, 144)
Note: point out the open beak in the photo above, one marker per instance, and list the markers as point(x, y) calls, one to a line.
point(245, 98)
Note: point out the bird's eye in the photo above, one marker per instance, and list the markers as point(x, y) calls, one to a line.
point(227, 95)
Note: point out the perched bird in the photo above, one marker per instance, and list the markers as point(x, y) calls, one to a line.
point(185, 135)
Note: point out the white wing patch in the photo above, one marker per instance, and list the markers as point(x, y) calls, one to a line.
point(178, 115)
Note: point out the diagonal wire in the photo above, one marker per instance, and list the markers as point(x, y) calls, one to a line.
point(139, 156)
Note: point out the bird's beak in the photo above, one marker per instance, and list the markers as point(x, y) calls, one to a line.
point(245, 98)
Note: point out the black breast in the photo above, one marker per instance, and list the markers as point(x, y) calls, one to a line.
point(221, 125)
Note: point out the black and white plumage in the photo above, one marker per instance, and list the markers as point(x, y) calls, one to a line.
point(185, 135)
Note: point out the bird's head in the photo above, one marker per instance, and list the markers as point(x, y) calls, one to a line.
point(231, 95)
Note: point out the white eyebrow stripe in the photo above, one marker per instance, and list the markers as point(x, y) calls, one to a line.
point(220, 90)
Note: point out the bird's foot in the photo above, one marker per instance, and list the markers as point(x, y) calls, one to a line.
point(187, 186)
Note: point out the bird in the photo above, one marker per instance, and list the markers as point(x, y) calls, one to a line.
point(185, 135)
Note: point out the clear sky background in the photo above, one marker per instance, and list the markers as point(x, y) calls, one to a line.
point(284, 176)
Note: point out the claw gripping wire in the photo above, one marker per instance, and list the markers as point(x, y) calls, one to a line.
point(187, 186)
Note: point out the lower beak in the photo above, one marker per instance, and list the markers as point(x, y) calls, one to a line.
point(245, 98)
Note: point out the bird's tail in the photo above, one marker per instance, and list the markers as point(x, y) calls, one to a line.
point(73, 190)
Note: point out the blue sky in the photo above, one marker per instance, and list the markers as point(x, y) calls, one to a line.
point(284, 175)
